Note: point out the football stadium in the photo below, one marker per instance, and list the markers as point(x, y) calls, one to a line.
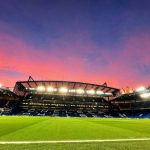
point(74, 74)
point(40, 114)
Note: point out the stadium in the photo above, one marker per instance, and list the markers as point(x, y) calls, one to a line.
point(74, 74)
point(67, 114)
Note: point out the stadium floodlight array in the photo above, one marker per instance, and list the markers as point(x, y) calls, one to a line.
point(91, 92)
point(65, 90)
point(108, 94)
point(41, 88)
point(143, 92)
point(32, 89)
point(80, 91)
point(71, 90)
point(51, 89)
point(145, 95)
point(99, 92)
point(140, 89)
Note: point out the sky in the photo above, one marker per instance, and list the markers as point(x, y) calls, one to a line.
point(92, 41)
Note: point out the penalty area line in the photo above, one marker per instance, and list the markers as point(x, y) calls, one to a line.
point(74, 141)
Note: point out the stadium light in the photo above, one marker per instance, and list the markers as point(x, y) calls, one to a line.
point(91, 92)
point(63, 90)
point(41, 88)
point(80, 91)
point(140, 89)
point(108, 94)
point(72, 91)
point(32, 89)
point(145, 95)
point(50, 89)
point(1, 85)
point(99, 92)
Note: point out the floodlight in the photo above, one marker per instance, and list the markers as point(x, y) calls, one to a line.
point(80, 91)
point(91, 92)
point(72, 91)
point(145, 95)
point(99, 92)
point(140, 89)
point(41, 88)
point(63, 90)
point(1, 85)
point(108, 94)
point(32, 89)
point(50, 89)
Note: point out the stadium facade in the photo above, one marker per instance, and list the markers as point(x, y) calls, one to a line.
point(72, 99)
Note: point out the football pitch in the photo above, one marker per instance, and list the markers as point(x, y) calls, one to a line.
point(57, 133)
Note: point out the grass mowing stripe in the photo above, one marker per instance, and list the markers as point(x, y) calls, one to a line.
point(72, 128)
point(19, 129)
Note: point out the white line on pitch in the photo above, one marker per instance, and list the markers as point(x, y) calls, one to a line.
point(74, 141)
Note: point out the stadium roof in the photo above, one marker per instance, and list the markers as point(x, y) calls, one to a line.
point(21, 86)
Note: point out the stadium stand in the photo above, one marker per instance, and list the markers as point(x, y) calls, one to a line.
point(134, 105)
point(64, 98)
point(8, 101)
point(73, 99)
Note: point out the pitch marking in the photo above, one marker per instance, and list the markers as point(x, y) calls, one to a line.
point(74, 141)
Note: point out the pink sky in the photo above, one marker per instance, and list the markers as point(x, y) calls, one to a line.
point(63, 60)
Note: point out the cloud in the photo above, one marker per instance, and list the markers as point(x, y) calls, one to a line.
point(131, 65)
point(74, 56)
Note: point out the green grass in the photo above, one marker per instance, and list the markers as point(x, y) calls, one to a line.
point(51, 128)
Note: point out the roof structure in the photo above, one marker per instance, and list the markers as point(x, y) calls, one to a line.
point(23, 86)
